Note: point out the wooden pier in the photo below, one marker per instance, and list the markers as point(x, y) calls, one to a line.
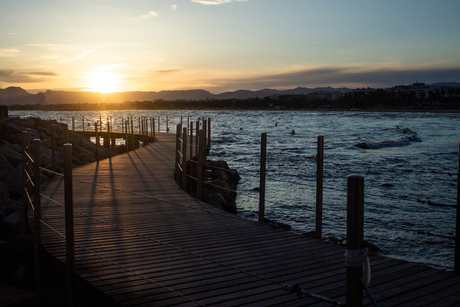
point(143, 241)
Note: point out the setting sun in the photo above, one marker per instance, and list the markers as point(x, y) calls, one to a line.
point(103, 82)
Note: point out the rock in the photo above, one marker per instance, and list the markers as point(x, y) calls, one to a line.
point(13, 157)
point(4, 194)
point(15, 297)
point(215, 200)
point(13, 224)
point(23, 276)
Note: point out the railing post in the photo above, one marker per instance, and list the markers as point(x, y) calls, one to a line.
point(37, 213)
point(205, 145)
point(184, 159)
point(132, 131)
point(457, 220)
point(97, 141)
point(158, 123)
point(167, 124)
point(209, 135)
point(25, 184)
point(176, 167)
point(354, 255)
point(191, 140)
point(69, 226)
point(83, 123)
point(108, 137)
point(153, 129)
point(263, 159)
point(73, 123)
point(126, 136)
point(199, 171)
point(319, 185)
point(66, 133)
point(53, 148)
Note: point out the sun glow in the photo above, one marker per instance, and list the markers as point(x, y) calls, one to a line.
point(103, 81)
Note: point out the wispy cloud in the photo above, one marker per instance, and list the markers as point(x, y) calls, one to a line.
point(174, 7)
point(217, 2)
point(85, 53)
point(8, 52)
point(149, 15)
point(12, 76)
point(40, 45)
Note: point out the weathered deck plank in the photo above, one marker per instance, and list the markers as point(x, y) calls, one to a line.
point(144, 242)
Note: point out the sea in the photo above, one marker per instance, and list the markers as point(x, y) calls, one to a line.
point(409, 162)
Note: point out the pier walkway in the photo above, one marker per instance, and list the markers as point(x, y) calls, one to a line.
point(143, 241)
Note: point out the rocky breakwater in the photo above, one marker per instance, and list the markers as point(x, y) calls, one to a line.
point(15, 251)
point(219, 184)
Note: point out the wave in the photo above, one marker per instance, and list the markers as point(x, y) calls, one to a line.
point(409, 137)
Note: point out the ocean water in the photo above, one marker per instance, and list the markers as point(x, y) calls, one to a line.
point(402, 169)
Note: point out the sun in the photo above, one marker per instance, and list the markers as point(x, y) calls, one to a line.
point(103, 81)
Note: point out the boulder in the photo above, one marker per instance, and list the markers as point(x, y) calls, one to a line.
point(13, 224)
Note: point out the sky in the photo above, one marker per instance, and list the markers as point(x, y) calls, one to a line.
point(226, 45)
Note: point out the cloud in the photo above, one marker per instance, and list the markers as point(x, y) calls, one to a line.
point(8, 52)
point(11, 76)
point(85, 53)
point(149, 15)
point(346, 76)
point(174, 7)
point(216, 2)
point(40, 45)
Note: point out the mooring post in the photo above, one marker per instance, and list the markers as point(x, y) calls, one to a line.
point(354, 252)
point(53, 148)
point(37, 213)
point(69, 226)
point(184, 159)
point(263, 160)
point(97, 141)
point(457, 220)
point(319, 185)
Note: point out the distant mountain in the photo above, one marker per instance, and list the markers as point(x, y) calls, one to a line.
point(17, 95)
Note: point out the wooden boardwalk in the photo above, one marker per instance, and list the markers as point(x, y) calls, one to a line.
point(144, 242)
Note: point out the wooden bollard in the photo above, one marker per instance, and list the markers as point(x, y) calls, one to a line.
point(457, 220)
point(263, 160)
point(354, 252)
point(69, 226)
point(319, 185)
point(53, 148)
point(37, 213)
